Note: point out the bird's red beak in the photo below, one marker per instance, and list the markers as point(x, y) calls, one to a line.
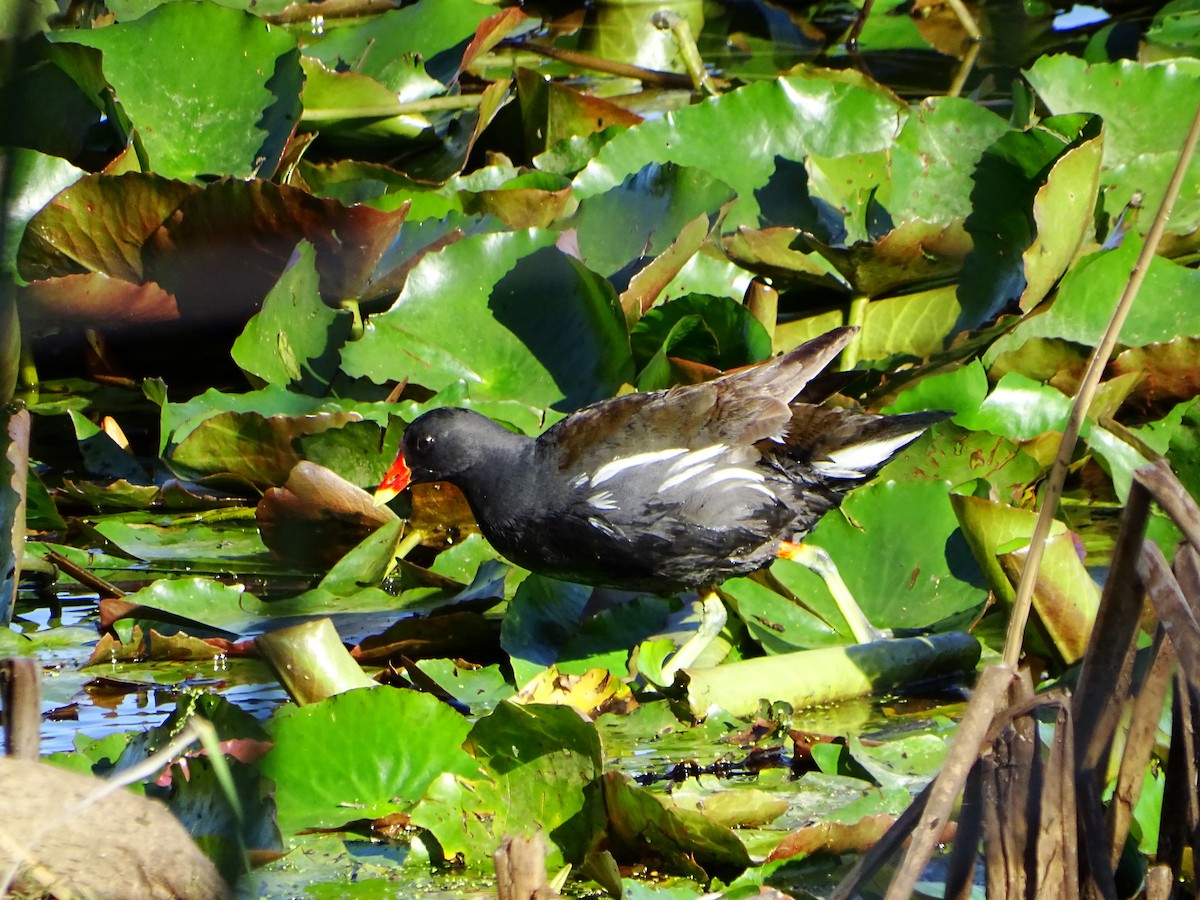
point(396, 480)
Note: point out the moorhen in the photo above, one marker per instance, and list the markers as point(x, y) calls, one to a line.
point(670, 490)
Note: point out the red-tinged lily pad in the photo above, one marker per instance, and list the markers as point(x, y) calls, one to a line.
point(362, 754)
point(100, 224)
point(316, 516)
point(643, 831)
point(449, 635)
point(95, 300)
point(217, 250)
point(246, 231)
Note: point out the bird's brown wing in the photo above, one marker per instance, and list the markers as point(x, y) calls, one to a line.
point(736, 410)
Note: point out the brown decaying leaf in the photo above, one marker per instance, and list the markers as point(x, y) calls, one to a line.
point(454, 634)
point(1170, 374)
point(832, 837)
point(316, 516)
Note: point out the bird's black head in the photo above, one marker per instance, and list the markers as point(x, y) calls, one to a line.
point(448, 444)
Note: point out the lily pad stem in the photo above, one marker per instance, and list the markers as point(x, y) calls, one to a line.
point(856, 316)
point(391, 110)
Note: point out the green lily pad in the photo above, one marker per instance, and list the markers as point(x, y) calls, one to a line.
point(644, 213)
point(542, 760)
point(715, 331)
point(677, 841)
point(234, 121)
point(294, 339)
point(34, 178)
point(902, 576)
point(816, 111)
point(508, 314)
point(1141, 145)
point(361, 755)
point(1014, 196)
point(1088, 295)
point(390, 46)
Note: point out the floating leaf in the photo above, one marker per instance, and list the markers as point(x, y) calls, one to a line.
point(353, 756)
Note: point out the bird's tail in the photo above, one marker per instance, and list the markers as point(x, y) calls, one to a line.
point(841, 445)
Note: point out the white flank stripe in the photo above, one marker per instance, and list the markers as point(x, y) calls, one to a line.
point(696, 457)
point(617, 466)
point(601, 525)
point(602, 500)
point(680, 477)
point(746, 477)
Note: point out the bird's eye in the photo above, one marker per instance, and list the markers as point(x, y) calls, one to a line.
point(425, 443)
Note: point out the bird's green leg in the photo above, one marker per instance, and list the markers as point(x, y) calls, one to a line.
point(711, 622)
point(819, 561)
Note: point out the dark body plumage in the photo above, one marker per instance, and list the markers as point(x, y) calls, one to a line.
point(668, 490)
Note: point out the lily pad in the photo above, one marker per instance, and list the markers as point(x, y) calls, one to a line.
point(352, 757)
point(235, 120)
point(508, 314)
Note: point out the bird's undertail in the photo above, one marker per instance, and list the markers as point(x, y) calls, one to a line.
point(841, 445)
